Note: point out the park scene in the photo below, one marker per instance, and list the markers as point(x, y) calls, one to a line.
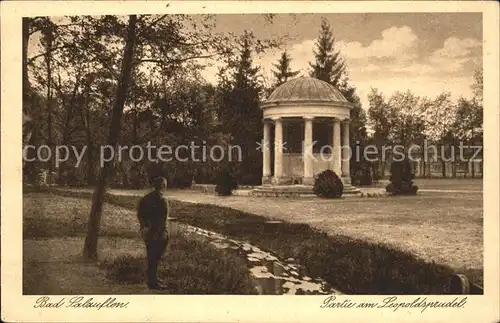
point(298, 154)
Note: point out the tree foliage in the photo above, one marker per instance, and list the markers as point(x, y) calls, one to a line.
point(86, 73)
point(283, 70)
point(240, 91)
point(328, 65)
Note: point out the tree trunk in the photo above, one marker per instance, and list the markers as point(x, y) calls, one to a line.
point(48, 36)
point(90, 247)
point(134, 132)
point(27, 135)
point(70, 108)
point(26, 81)
point(88, 137)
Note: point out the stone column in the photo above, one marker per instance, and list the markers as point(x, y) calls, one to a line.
point(345, 144)
point(266, 155)
point(308, 151)
point(278, 150)
point(336, 147)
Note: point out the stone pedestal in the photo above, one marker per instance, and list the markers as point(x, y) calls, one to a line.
point(266, 180)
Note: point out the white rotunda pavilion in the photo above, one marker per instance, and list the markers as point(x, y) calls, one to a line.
point(306, 124)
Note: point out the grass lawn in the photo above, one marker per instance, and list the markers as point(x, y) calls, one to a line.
point(445, 228)
point(472, 184)
point(319, 234)
point(53, 230)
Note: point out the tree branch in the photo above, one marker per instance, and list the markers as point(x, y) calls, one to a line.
point(154, 22)
point(32, 59)
point(179, 60)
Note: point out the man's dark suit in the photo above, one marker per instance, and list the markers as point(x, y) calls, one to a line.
point(152, 214)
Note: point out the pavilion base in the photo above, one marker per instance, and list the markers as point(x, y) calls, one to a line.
point(285, 188)
point(308, 181)
point(282, 181)
point(266, 180)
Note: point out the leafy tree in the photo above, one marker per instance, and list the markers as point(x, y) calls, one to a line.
point(408, 125)
point(283, 70)
point(468, 123)
point(358, 114)
point(331, 68)
point(90, 247)
point(477, 85)
point(381, 120)
point(47, 40)
point(357, 129)
point(165, 98)
point(159, 45)
point(32, 101)
point(395, 121)
point(439, 117)
point(239, 104)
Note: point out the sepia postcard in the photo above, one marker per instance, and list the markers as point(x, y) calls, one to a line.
point(250, 161)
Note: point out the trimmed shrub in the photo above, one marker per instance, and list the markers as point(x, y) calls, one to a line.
point(327, 184)
point(363, 176)
point(250, 179)
point(401, 179)
point(225, 183)
point(366, 177)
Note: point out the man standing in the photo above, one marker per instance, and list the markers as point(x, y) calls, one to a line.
point(153, 211)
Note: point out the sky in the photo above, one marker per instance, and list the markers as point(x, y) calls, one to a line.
point(427, 53)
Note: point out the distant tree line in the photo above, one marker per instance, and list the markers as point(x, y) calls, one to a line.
point(70, 88)
point(405, 119)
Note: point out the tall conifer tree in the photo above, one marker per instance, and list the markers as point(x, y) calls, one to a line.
point(283, 70)
point(329, 65)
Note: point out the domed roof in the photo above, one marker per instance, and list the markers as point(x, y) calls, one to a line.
point(306, 89)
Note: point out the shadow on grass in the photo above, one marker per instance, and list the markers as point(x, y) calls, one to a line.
point(351, 265)
point(35, 226)
point(189, 267)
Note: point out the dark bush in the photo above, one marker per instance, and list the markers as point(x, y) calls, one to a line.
point(250, 179)
point(401, 179)
point(225, 183)
point(179, 178)
point(184, 181)
point(363, 176)
point(327, 184)
point(366, 177)
point(136, 177)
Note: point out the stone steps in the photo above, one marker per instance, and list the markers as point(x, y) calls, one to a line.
point(296, 191)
